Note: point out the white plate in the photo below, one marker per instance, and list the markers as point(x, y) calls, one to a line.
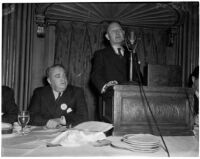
point(9, 135)
point(121, 145)
point(142, 138)
point(143, 148)
point(141, 144)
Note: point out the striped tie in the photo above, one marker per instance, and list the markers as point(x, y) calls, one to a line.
point(59, 95)
point(119, 52)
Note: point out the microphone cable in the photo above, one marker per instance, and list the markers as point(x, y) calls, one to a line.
point(142, 91)
point(147, 102)
point(189, 103)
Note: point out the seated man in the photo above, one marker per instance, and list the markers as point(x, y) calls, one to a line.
point(9, 108)
point(58, 103)
point(195, 86)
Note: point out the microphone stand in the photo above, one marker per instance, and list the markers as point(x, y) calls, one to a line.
point(132, 52)
point(141, 88)
point(131, 60)
point(131, 67)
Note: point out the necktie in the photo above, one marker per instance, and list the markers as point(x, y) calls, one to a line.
point(59, 95)
point(119, 52)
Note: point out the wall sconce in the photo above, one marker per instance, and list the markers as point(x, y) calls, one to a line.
point(171, 33)
point(40, 21)
point(40, 31)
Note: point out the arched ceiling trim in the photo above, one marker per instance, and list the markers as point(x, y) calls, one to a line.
point(144, 14)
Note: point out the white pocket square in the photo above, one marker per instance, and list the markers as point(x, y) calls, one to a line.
point(69, 110)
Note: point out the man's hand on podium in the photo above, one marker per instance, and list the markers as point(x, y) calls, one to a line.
point(110, 83)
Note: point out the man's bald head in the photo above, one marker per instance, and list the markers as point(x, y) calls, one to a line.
point(115, 33)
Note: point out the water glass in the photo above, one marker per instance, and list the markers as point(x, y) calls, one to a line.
point(23, 119)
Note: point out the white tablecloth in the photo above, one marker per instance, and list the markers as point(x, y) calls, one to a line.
point(34, 144)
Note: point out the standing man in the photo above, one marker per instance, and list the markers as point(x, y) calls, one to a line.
point(58, 103)
point(111, 64)
point(111, 67)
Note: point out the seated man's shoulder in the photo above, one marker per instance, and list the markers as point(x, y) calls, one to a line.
point(42, 89)
point(6, 89)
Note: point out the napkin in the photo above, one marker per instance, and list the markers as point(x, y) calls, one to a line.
point(6, 126)
point(74, 138)
point(17, 128)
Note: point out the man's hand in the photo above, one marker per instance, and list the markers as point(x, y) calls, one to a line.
point(62, 120)
point(54, 123)
point(110, 83)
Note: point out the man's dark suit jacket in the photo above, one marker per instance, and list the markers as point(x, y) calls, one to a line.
point(108, 66)
point(9, 108)
point(43, 106)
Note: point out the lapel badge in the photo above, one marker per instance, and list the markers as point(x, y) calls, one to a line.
point(69, 110)
point(63, 106)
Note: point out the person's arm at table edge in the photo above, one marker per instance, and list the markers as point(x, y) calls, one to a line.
point(36, 117)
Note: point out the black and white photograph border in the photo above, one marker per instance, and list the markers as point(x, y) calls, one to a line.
point(143, 103)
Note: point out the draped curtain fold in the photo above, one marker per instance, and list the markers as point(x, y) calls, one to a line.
point(17, 50)
point(189, 39)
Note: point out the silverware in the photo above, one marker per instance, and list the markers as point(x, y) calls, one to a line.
point(52, 145)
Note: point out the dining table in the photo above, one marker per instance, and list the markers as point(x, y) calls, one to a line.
point(35, 144)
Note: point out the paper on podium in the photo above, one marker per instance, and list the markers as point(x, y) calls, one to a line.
point(94, 126)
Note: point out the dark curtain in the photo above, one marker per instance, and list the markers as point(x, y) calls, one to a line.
point(189, 40)
point(17, 22)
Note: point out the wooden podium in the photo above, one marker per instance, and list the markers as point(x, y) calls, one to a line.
point(172, 108)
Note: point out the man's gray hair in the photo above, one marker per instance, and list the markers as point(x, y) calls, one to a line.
point(53, 66)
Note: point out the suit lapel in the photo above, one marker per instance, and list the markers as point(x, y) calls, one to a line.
point(50, 99)
point(64, 99)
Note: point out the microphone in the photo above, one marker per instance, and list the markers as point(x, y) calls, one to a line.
point(131, 41)
point(132, 37)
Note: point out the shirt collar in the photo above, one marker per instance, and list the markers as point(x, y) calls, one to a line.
point(55, 93)
point(116, 49)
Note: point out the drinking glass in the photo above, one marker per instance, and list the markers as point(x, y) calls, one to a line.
point(23, 119)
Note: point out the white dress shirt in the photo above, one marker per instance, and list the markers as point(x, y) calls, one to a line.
point(56, 94)
point(116, 50)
